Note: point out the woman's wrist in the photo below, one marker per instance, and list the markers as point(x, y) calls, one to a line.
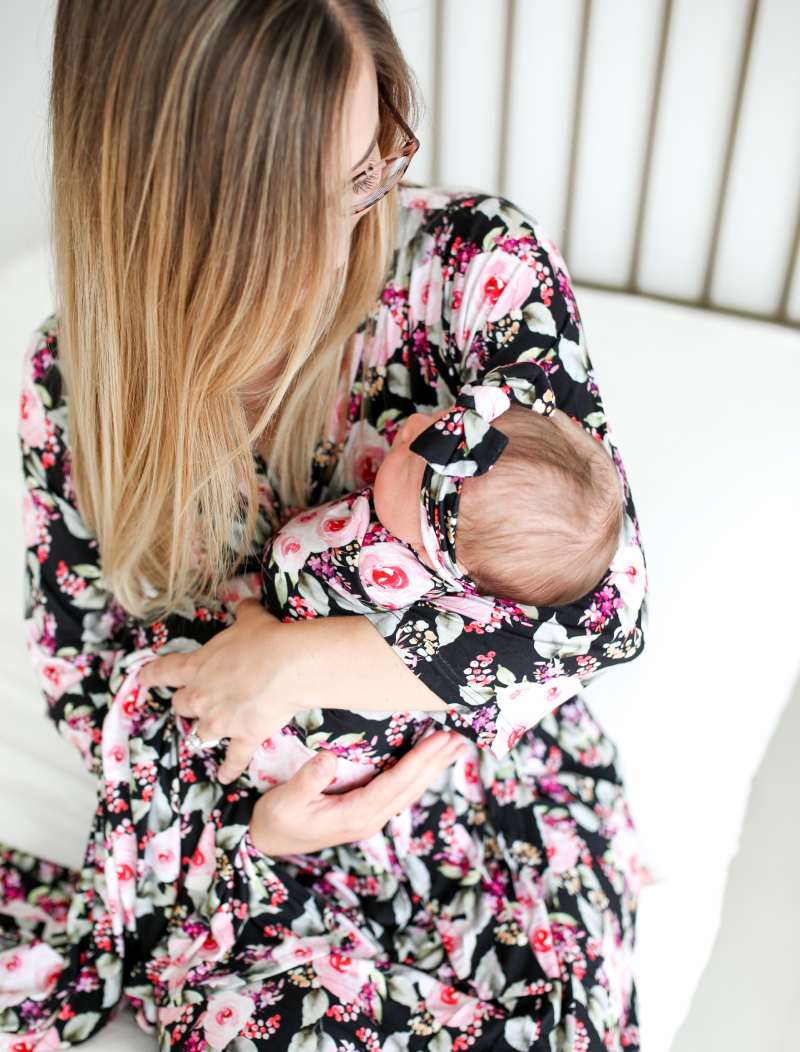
point(344, 663)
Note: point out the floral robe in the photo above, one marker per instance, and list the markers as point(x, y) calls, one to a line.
point(498, 912)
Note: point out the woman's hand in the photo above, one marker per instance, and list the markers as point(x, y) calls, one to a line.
point(228, 684)
point(296, 817)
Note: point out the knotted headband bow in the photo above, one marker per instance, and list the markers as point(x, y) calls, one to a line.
point(462, 443)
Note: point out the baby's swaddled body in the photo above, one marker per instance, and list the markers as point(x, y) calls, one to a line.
point(339, 559)
point(553, 498)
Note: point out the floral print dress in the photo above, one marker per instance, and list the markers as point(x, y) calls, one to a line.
point(499, 910)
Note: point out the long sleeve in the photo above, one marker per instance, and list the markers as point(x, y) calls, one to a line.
point(73, 626)
point(500, 667)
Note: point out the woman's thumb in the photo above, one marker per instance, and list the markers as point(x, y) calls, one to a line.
point(317, 772)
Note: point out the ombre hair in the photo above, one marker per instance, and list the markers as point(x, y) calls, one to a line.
point(199, 201)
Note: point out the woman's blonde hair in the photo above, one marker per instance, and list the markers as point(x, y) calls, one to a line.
point(199, 158)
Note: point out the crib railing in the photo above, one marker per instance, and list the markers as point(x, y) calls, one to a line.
point(657, 141)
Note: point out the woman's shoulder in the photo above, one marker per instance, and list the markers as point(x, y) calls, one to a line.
point(473, 244)
point(465, 218)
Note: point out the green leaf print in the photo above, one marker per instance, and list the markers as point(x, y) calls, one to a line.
point(520, 1033)
point(312, 591)
point(81, 1026)
point(315, 1004)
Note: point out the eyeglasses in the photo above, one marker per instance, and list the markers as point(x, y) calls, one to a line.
point(377, 179)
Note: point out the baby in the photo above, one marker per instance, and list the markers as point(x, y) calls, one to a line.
point(539, 528)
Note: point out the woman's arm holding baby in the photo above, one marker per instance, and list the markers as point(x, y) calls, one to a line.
point(252, 678)
point(343, 663)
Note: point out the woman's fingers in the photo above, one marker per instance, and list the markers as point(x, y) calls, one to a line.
point(420, 773)
point(237, 758)
point(313, 777)
point(169, 670)
point(188, 702)
point(298, 816)
point(392, 791)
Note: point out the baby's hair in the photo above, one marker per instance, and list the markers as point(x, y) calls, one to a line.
point(542, 525)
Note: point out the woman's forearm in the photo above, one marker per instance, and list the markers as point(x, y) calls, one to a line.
point(344, 663)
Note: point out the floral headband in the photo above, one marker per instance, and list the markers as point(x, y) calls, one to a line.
point(462, 443)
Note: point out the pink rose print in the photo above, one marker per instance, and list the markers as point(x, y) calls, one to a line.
point(450, 1007)
point(32, 426)
point(473, 608)
point(226, 1014)
point(466, 778)
point(32, 519)
point(27, 971)
point(186, 953)
point(522, 705)
point(342, 974)
point(530, 912)
point(425, 289)
point(120, 873)
point(290, 550)
point(562, 845)
point(316, 529)
point(204, 860)
point(387, 339)
point(55, 675)
point(293, 950)
point(367, 462)
point(31, 1042)
point(81, 739)
point(391, 577)
point(616, 966)
point(629, 577)
point(425, 198)
point(217, 941)
point(363, 453)
point(462, 847)
point(242, 586)
point(458, 938)
point(340, 524)
point(162, 854)
point(493, 284)
point(116, 756)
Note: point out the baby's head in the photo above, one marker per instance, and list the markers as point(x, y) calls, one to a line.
point(540, 527)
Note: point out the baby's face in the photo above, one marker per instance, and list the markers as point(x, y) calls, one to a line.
point(396, 489)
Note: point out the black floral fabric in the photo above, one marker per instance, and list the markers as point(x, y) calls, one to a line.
point(498, 911)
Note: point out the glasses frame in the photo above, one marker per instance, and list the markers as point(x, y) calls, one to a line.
point(407, 151)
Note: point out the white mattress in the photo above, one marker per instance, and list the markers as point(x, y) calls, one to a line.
point(704, 410)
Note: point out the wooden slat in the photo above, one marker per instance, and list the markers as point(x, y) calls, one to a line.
point(741, 81)
point(633, 274)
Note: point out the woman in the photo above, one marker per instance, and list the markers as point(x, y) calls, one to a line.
point(233, 285)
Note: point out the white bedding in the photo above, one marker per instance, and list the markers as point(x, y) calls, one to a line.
point(704, 410)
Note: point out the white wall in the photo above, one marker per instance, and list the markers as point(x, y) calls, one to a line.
point(25, 38)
